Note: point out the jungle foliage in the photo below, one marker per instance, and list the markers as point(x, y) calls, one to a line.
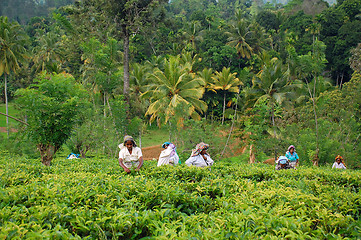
point(280, 74)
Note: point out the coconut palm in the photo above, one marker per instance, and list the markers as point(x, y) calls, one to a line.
point(259, 38)
point(138, 85)
point(314, 29)
point(239, 37)
point(271, 84)
point(225, 81)
point(206, 74)
point(309, 69)
point(174, 88)
point(138, 78)
point(47, 53)
point(12, 52)
point(193, 33)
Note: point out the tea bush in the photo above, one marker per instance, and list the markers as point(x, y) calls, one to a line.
point(93, 199)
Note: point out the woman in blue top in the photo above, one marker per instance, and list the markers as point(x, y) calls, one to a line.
point(292, 156)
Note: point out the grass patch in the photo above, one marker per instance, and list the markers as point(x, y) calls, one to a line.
point(12, 112)
point(154, 136)
point(244, 158)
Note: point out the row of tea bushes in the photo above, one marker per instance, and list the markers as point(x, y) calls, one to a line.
point(93, 199)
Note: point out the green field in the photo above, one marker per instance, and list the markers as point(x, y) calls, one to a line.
point(12, 112)
point(154, 136)
point(93, 199)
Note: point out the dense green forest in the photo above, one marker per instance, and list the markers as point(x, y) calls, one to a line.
point(84, 73)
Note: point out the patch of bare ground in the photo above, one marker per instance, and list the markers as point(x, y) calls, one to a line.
point(3, 129)
point(150, 153)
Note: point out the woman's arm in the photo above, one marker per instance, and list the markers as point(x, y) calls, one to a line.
point(209, 160)
point(123, 166)
point(140, 163)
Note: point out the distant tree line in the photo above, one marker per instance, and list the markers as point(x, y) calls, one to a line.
point(23, 10)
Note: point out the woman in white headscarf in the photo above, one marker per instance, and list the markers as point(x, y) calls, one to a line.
point(169, 155)
point(130, 156)
point(200, 157)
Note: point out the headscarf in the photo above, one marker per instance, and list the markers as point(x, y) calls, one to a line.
point(291, 147)
point(341, 158)
point(170, 145)
point(200, 146)
point(165, 144)
point(282, 160)
point(128, 138)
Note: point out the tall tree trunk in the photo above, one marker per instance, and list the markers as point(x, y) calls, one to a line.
point(170, 131)
point(316, 158)
point(274, 130)
point(105, 103)
point(6, 106)
point(224, 106)
point(126, 74)
point(341, 80)
point(313, 97)
point(230, 131)
point(252, 156)
point(126, 65)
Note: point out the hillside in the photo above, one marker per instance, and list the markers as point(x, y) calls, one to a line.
point(284, 2)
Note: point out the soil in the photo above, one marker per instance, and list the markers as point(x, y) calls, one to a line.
point(270, 161)
point(234, 148)
point(150, 153)
point(3, 129)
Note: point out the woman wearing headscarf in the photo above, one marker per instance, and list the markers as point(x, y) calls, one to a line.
point(283, 163)
point(200, 157)
point(130, 156)
point(292, 156)
point(339, 163)
point(169, 155)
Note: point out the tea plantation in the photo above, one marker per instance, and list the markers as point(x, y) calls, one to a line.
point(93, 199)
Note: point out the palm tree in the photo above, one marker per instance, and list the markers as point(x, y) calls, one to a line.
point(258, 38)
point(226, 82)
point(173, 88)
point(139, 80)
point(206, 74)
point(271, 85)
point(314, 29)
point(12, 52)
point(309, 68)
point(47, 54)
point(192, 33)
point(239, 38)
